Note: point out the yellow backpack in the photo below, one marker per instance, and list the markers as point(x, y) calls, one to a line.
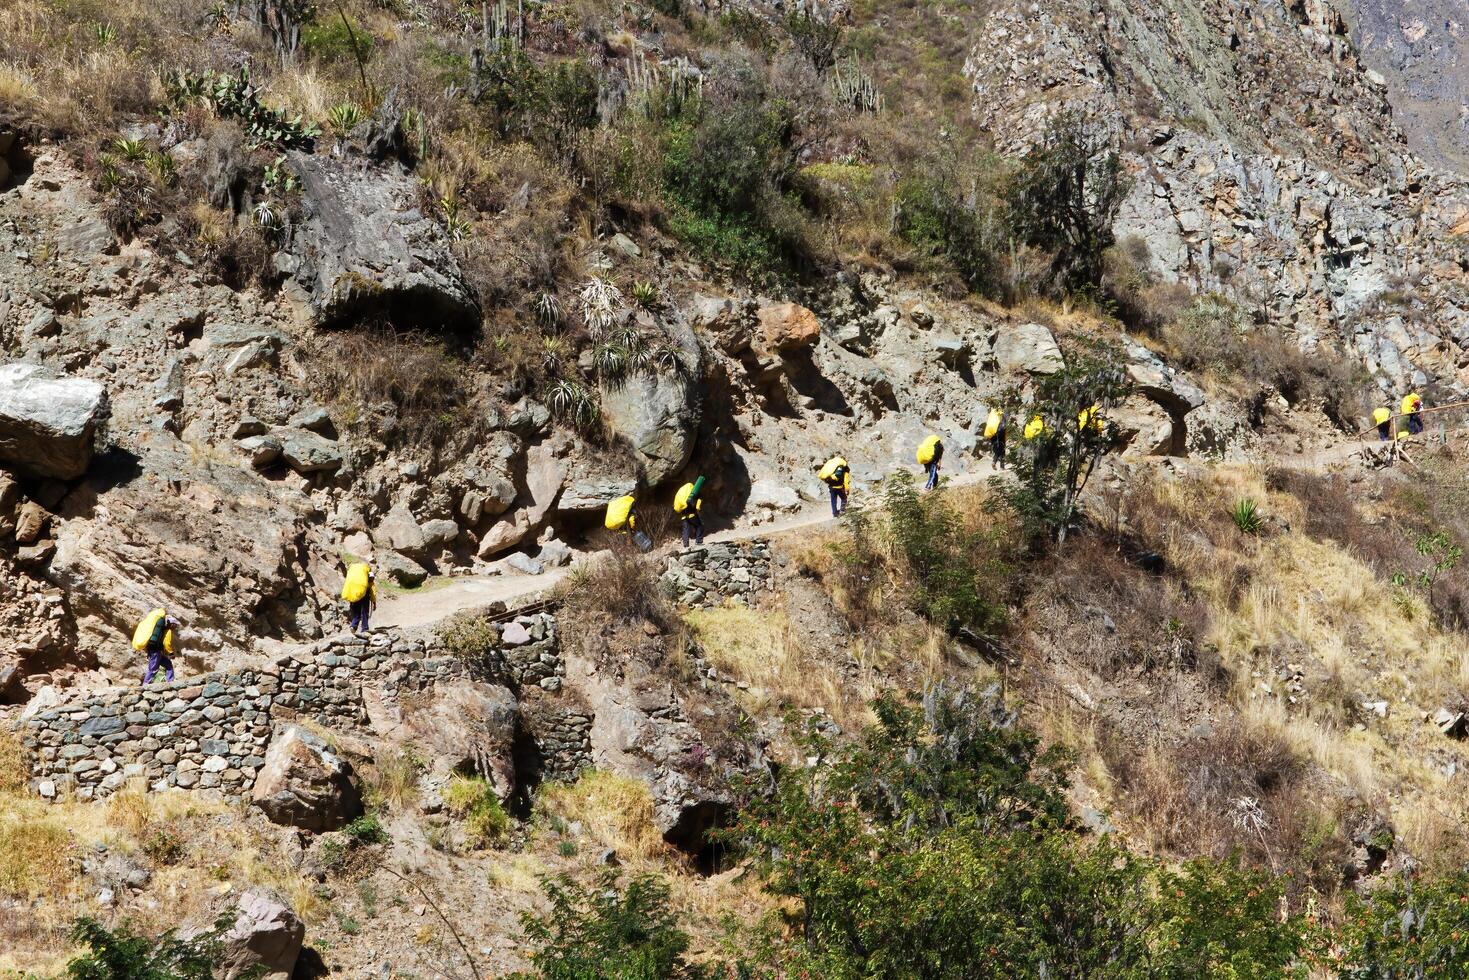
point(829, 471)
point(1380, 415)
point(681, 499)
point(1089, 418)
point(1411, 403)
point(1034, 427)
point(928, 449)
point(619, 513)
point(145, 629)
point(357, 583)
point(992, 424)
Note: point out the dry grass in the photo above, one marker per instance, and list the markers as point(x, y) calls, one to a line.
point(1315, 760)
point(393, 778)
point(615, 811)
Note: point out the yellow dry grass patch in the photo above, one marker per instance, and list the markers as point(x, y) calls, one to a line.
point(40, 845)
point(615, 811)
point(1313, 603)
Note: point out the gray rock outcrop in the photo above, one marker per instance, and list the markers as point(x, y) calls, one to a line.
point(49, 423)
point(470, 727)
point(365, 243)
point(658, 413)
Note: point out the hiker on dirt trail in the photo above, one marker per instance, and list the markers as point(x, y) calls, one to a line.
point(994, 431)
point(360, 592)
point(686, 504)
point(154, 635)
point(930, 456)
point(622, 518)
point(1382, 418)
point(837, 476)
point(1412, 406)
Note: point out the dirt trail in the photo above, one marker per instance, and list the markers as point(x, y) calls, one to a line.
point(442, 598)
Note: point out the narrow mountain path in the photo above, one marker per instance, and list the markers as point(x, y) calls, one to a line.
point(441, 598)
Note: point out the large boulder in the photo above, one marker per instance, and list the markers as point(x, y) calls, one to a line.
point(400, 530)
point(307, 453)
point(470, 727)
point(1161, 383)
point(787, 327)
point(1027, 348)
point(265, 940)
point(49, 423)
point(590, 496)
point(305, 784)
point(657, 413)
point(364, 245)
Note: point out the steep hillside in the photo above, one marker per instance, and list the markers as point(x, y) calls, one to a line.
point(1166, 685)
point(1418, 50)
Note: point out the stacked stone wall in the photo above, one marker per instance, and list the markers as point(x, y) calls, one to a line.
point(212, 731)
point(732, 571)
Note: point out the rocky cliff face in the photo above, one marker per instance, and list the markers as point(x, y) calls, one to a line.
point(1266, 166)
point(1420, 49)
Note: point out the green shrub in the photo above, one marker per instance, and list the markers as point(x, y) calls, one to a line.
point(936, 847)
point(472, 800)
point(551, 105)
point(606, 933)
point(1246, 516)
point(122, 954)
point(953, 575)
point(1066, 197)
point(816, 35)
point(1411, 927)
point(333, 39)
point(724, 173)
point(366, 829)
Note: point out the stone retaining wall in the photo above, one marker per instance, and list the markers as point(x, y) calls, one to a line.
point(212, 731)
point(735, 571)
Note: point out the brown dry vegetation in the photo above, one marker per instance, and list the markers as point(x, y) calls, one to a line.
point(1161, 656)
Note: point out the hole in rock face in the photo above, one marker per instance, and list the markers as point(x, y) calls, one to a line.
point(15, 159)
point(691, 834)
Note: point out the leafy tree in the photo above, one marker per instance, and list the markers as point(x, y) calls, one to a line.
point(816, 35)
point(1410, 928)
point(1055, 465)
point(1066, 196)
point(936, 849)
point(123, 954)
point(602, 933)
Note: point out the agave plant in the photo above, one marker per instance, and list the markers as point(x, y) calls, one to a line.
point(554, 352)
point(109, 175)
point(265, 215)
point(601, 302)
point(645, 294)
point(611, 360)
point(164, 170)
point(548, 309)
point(665, 356)
point(129, 149)
point(344, 117)
point(1246, 516)
point(456, 222)
point(573, 400)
